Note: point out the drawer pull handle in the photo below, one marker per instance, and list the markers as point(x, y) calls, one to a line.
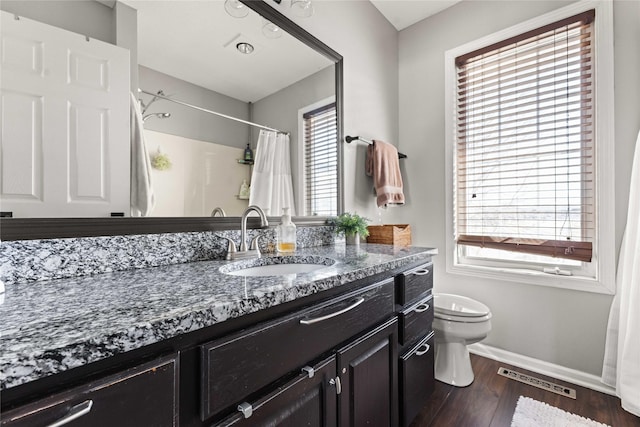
point(421, 308)
point(246, 409)
point(309, 371)
point(336, 383)
point(74, 413)
point(329, 316)
point(422, 272)
point(421, 352)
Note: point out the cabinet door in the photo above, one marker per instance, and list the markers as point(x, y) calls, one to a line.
point(367, 370)
point(142, 396)
point(417, 379)
point(307, 400)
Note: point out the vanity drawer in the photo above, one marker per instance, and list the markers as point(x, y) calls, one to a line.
point(236, 366)
point(416, 320)
point(145, 395)
point(413, 283)
point(417, 379)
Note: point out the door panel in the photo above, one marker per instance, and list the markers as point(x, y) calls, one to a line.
point(65, 122)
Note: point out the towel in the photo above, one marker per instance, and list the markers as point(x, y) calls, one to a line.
point(383, 165)
point(142, 199)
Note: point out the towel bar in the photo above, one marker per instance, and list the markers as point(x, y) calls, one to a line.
point(349, 138)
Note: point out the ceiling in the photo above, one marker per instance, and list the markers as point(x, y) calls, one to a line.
point(403, 13)
point(195, 41)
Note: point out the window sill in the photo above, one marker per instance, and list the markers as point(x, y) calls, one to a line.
point(532, 277)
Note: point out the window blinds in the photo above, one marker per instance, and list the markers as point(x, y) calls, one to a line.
point(525, 148)
point(321, 161)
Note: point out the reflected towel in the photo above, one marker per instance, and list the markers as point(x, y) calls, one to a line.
point(383, 165)
point(142, 199)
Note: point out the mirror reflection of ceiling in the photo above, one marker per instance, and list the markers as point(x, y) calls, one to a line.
point(196, 41)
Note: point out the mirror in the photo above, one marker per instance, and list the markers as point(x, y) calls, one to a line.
point(245, 67)
point(327, 66)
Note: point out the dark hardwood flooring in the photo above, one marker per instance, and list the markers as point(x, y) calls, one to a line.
point(491, 400)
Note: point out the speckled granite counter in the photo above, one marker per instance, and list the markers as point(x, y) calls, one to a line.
point(52, 326)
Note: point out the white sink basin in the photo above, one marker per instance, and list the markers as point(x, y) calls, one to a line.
point(277, 269)
point(277, 266)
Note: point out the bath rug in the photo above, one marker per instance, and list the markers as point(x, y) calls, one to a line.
point(531, 413)
point(537, 382)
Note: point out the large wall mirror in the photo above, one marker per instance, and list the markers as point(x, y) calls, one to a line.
point(193, 54)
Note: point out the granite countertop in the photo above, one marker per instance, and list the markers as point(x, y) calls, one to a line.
point(52, 326)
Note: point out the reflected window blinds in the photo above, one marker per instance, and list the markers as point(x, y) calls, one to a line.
point(524, 175)
point(321, 161)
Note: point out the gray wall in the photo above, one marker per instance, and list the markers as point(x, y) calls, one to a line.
point(190, 123)
point(84, 17)
point(560, 326)
point(369, 45)
point(280, 110)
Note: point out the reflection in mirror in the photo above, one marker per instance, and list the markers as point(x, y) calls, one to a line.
point(199, 161)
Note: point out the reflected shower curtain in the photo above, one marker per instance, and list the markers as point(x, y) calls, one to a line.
point(621, 366)
point(271, 184)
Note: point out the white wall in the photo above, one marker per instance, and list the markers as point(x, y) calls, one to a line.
point(203, 175)
point(369, 45)
point(554, 325)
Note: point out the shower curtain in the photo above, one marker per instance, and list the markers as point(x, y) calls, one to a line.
point(621, 366)
point(142, 197)
point(271, 184)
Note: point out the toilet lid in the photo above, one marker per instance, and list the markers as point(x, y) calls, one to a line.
point(457, 305)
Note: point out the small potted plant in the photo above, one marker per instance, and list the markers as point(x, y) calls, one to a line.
point(353, 226)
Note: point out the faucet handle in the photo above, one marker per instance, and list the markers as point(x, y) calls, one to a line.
point(231, 247)
point(254, 245)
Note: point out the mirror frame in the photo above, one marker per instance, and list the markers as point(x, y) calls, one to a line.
point(50, 228)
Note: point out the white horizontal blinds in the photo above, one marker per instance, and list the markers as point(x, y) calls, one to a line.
point(321, 161)
point(525, 148)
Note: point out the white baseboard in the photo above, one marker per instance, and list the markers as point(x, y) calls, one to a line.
point(572, 376)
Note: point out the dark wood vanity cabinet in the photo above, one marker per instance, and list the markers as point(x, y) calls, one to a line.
point(236, 366)
point(355, 386)
point(358, 334)
point(416, 339)
point(145, 395)
point(362, 356)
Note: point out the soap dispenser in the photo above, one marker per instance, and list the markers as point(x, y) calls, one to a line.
point(286, 233)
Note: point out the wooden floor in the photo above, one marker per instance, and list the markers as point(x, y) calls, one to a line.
point(491, 400)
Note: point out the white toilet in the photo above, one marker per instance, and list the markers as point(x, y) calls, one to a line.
point(458, 321)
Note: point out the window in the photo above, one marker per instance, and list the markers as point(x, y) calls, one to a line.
point(321, 161)
point(525, 157)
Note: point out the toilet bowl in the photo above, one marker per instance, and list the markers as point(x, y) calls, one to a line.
point(458, 321)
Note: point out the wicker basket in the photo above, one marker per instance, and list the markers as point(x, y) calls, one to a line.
point(390, 234)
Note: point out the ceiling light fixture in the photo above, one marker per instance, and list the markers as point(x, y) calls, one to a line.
point(244, 47)
point(236, 9)
point(302, 8)
point(271, 30)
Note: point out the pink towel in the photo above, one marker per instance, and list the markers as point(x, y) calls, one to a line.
point(383, 165)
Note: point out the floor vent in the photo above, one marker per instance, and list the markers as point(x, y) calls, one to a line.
point(537, 382)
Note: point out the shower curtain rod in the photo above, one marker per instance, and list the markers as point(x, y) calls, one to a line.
point(349, 138)
point(212, 112)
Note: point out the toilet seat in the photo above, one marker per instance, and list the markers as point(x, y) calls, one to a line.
point(457, 308)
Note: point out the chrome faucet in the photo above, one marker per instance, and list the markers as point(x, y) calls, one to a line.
point(253, 251)
point(218, 210)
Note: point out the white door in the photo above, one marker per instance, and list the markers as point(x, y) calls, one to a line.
point(65, 122)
